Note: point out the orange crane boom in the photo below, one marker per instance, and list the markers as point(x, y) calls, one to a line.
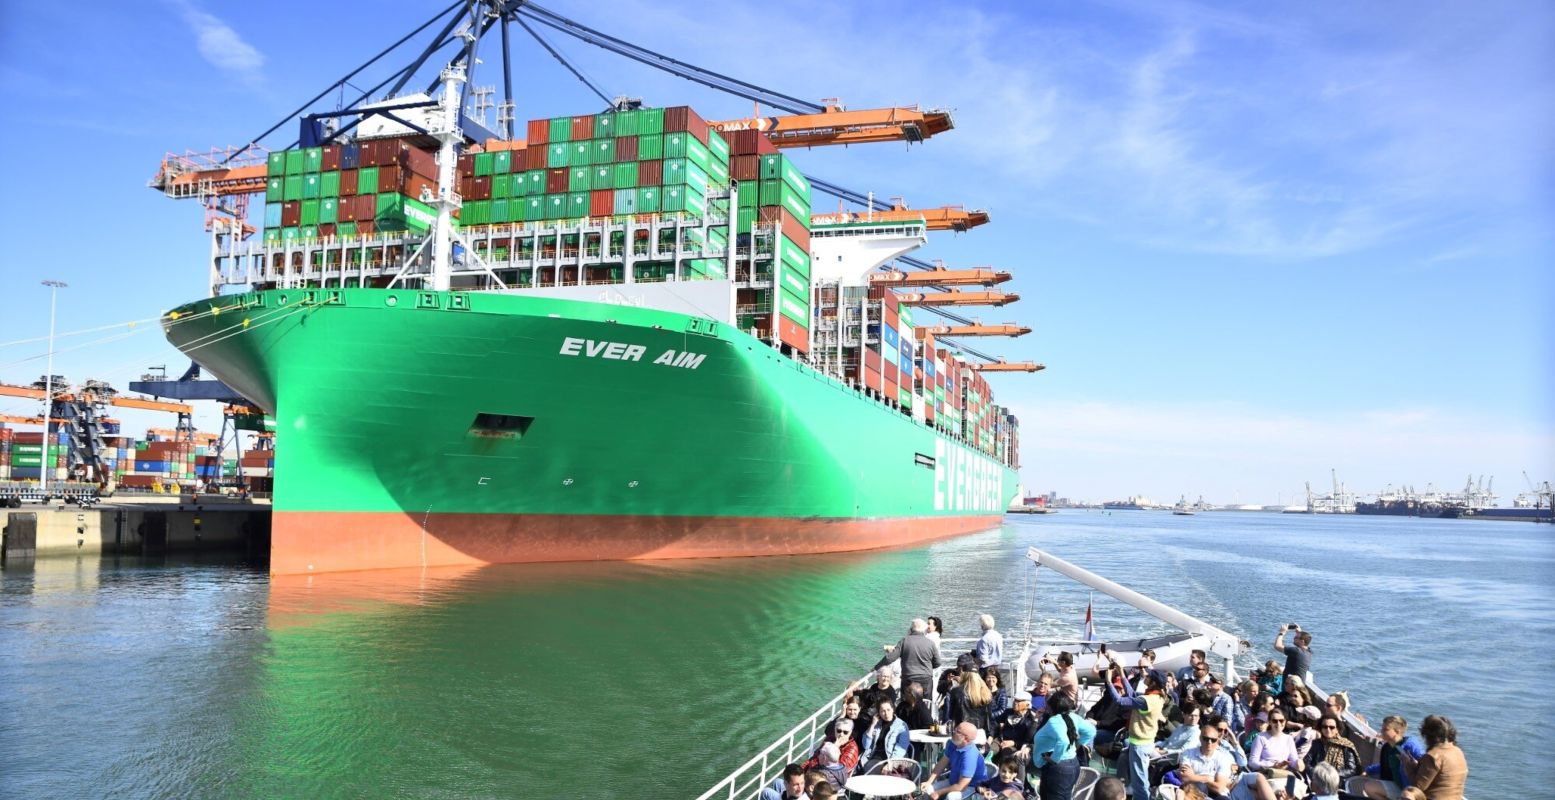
point(977, 329)
point(15, 420)
point(12, 390)
point(837, 125)
point(1009, 366)
point(150, 405)
point(954, 298)
point(944, 218)
point(941, 277)
point(190, 174)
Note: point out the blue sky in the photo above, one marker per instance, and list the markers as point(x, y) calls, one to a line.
point(1255, 241)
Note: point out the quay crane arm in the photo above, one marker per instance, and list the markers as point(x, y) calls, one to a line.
point(976, 329)
point(13, 419)
point(944, 218)
point(836, 125)
point(12, 390)
point(957, 298)
point(939, 276)
point(1221, 643)
point(1009, 366)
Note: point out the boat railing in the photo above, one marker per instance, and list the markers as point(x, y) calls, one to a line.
point(751, 777)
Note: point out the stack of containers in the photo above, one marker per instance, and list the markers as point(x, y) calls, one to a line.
point(347, 190)
point(1007, 436)
point(904, 356)
point(28, 459)
point(6, 440)
point(926, 375)
point(773, 192)
point(888, 359)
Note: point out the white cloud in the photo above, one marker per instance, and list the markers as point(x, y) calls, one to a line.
point(220, 45)
point(1229, 451)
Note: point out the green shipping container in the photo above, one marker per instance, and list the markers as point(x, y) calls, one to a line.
point(272, 235)
point(750, 196)
point(604, 126)
point(698, 154)
point(555, 205)
point(500, 212)
point(294, 162)
point(501, 187)
point(795, 309)
point(718, 173)
point(704, 267)
point(313, 159)
point(310, 212)
point(308, 232)
point(367, 180)
point(396, 212)
point(778, 193)
point(275, 189)
point(625, 176)
point(275, 163)
point(650, 120)
point(682, 198)
point(502, 162)
point(580, 154)
point(718, 146)
point(518, 184)
point(781, 167)
point(650, 147)
point(628, 123)
point(293, 190)
point(476, 212)
point(604, 151)
point(793, 257)
point(796, 283)
point(330, 185)
point(560, 130)
point(556, 153)
point(647, 199)
point(329, 210)
point(744, 219)
point(312, 185)
point(290, 234)
point(675, 144)
point(534, 182)
point(534, 208)
point(577, 205)
point(602, 177)
point(578, 179)
point(483, 162)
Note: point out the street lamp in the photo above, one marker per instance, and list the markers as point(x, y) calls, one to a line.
point(48, 389)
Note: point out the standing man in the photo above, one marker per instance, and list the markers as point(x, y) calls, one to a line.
point(1144, 722)
point(962, 765)
point(990, 648)
point(918, 654)
point(1298, 657)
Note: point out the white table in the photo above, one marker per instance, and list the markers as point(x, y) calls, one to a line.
point(934, 743)
point(880, 786)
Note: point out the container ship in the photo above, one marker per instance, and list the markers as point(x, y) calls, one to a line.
point(622, 336)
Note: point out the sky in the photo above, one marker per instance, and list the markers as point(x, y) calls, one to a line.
point(1255, 242)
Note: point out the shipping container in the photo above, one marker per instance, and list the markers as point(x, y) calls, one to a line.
point(556, 152)
point(331, 158)
point(650, 173)
point(582, 128)
point(602, 202)
point(626, 149)
point(578, 179)
point(483, 164)
point(275, 163)
point(539, 132)
point(312, 160)
point(294, 162)
point(650, 147)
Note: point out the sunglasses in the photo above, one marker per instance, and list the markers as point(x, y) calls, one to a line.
point(1209, 739)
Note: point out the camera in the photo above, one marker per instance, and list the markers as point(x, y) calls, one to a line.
point(1293, 626)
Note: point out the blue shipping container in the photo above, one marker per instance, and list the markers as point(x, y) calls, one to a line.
point(272, 215)
point(151, 466)
point(350, 156)
point(891, 339)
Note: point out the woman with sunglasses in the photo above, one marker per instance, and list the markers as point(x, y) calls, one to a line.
point(1331, 747)
point(1275, 750)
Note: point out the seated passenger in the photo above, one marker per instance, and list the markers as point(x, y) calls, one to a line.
point(970, 701)
point(828, 761)
point(1195, 659)
point(1186, 734)
point(788, 786)
point(1221, 701)
point(1109, 788)
point(1207, 766)
point(1001, 698)
point(962, 766)
point(1333, 748)
point(887, 736)
point(1256, 725)
point(1013, 732)
point(914, 710)
point(1324, 783)
point(1272, 679)
point(1007, 784)
point(1443, 770)
point(869, 698)
point(1274, 749)
point(853, 712)
point(1040, 691)
point(841, 741)
point(1228, 742)
point(1388, 777)
point(1242, 706)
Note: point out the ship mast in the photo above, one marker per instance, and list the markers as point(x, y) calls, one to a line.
point(449, 137)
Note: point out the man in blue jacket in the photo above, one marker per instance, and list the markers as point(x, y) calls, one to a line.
point(1388, 776)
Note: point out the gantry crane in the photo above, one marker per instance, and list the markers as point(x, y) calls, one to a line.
point(943, 218)
point(956, 297)
point(939, 276)
point(79, 410)
point(976, 329)
point(834, 124)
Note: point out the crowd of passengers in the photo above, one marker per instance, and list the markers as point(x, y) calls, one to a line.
point(1178, 736)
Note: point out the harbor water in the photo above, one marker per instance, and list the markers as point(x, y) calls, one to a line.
point(123, 677)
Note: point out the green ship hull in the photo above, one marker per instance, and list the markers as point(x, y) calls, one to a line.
point(420, 428)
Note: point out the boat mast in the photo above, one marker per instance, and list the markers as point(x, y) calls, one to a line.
point(449, 136)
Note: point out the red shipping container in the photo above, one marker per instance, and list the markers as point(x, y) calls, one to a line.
point(745, 168)
point(291, 214)
point(416, 184)
point(682, 118)
point(466, 164)
point(891, 372)
point(390, 179)
point(482, 188)
point(331, 161)
point(555, 181)
point(348, 181)
point(345, 210)
point(793, 334)
point(539, 133)
point(582, 128)
point(626, 149)
point(466, 185)
point(650, 173)
point(872, 378)
point(891, 319)
point(326, 229)
point(602, 203)
point(366, 207)
point(871, 358)
point(749, 143)
point(365, 228)
point(420, 162)
point(534, 158)
point(368, 153)
point(890, 390)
